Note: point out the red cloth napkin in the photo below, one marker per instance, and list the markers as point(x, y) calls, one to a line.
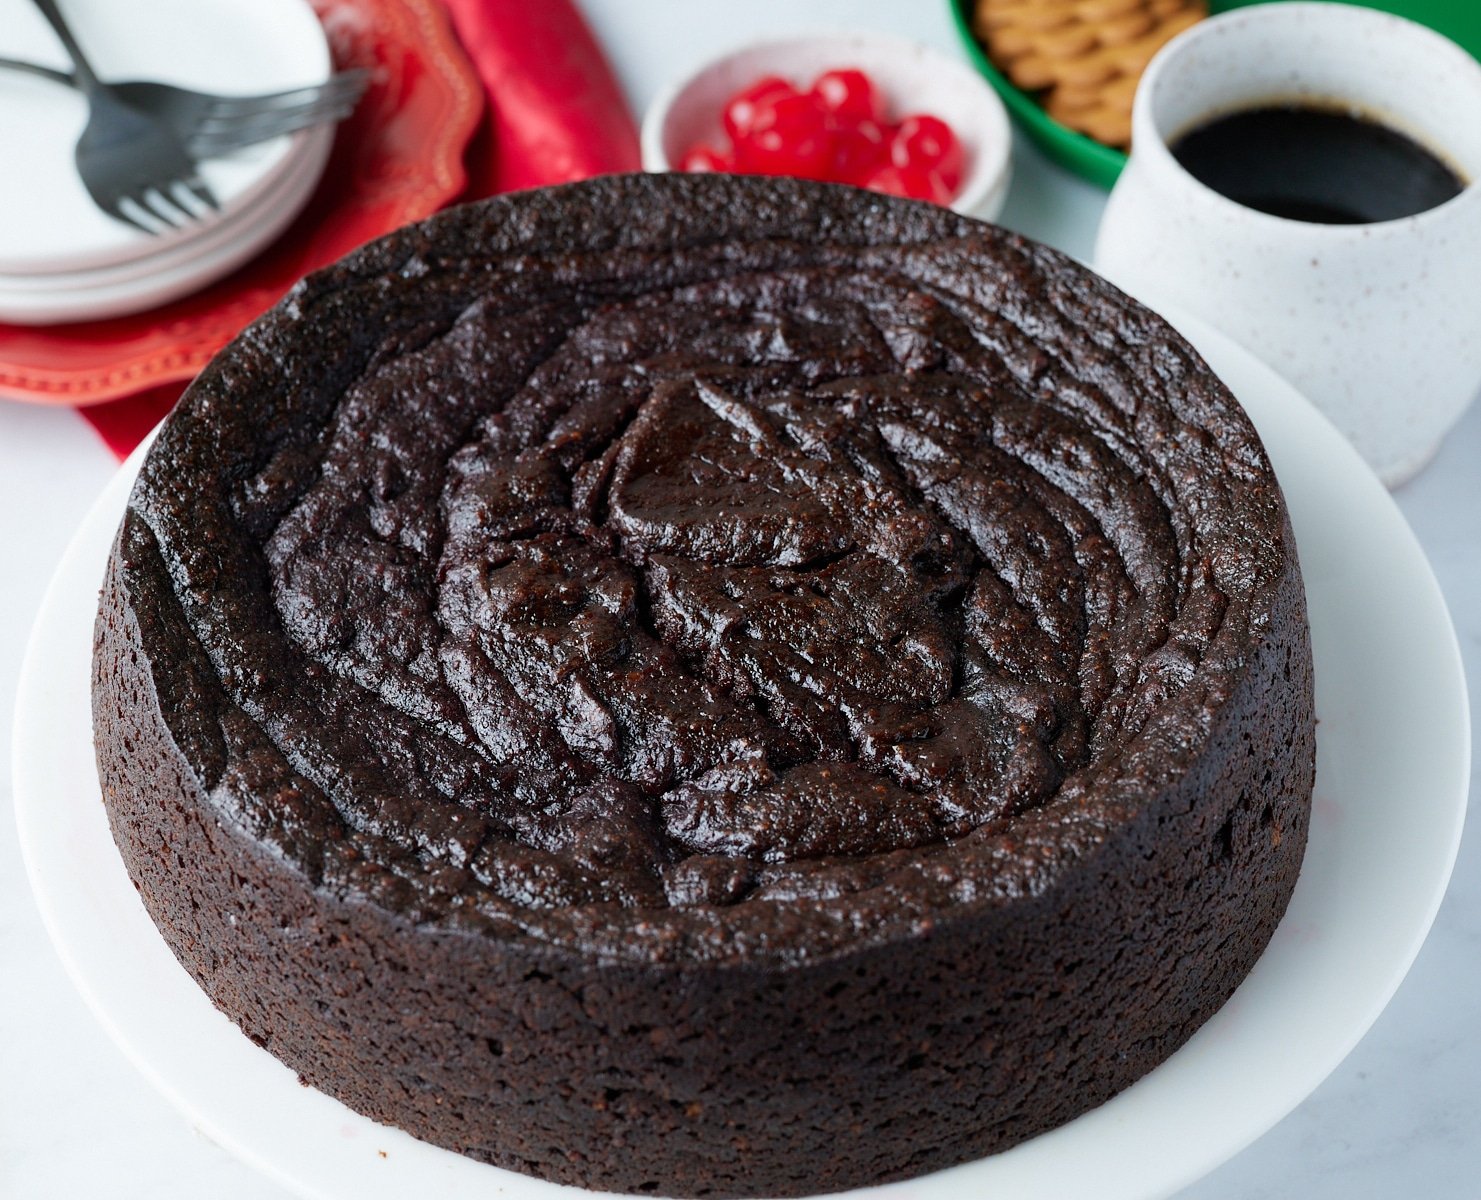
point(555, 113)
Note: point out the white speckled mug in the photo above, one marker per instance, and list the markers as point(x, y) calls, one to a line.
point(1379, 324)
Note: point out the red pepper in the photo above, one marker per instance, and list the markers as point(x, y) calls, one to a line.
point(556, 111)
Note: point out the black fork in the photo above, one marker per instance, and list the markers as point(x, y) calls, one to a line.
point(125, 156)
point(210, 125)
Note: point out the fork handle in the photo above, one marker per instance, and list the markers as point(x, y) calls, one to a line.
point(87, 78)
point(30, 68)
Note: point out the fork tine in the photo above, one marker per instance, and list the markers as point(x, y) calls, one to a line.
point(344, 84)
point(197, 187)
point(221, 120)
point(156, 202)
point(223, 141)
point(186, 201)
point(352, 82)
point(113, 206)
point(232, 108)
point(341, 83)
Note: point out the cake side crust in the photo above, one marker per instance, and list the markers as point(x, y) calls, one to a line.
point(731, 1081)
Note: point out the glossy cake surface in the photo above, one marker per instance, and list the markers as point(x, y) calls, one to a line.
point(709, 686)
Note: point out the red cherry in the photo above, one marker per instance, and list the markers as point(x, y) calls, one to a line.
point(930, 185)
point(927, 142)
point(850, 93)
point(704, 158)
point(857, 150)
point(886, 179)
point(790, 138)
point(744, 108)
point(913, 183)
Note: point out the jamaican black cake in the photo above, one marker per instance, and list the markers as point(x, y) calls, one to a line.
point(709, 686)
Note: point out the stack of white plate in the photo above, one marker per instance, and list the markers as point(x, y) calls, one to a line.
point(61, 257)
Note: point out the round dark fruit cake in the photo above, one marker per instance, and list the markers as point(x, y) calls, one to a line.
point(709, 686)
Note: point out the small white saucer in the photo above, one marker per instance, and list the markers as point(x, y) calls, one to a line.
point(48, 223)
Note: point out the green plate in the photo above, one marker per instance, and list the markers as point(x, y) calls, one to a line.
point(1459, 20)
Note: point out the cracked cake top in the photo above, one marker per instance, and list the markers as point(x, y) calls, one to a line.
point(754, 572)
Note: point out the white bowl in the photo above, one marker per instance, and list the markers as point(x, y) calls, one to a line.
point(913, 78)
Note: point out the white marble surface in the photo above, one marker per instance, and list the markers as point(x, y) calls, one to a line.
point(1398, 1118)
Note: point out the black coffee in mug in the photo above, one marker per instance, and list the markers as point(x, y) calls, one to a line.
point(1324, 165)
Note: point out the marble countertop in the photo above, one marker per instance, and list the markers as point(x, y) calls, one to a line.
point(1398, 1117)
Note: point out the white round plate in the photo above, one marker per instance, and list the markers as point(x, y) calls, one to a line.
point(47, 220)
point(177, 270)
point(1393, 763)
